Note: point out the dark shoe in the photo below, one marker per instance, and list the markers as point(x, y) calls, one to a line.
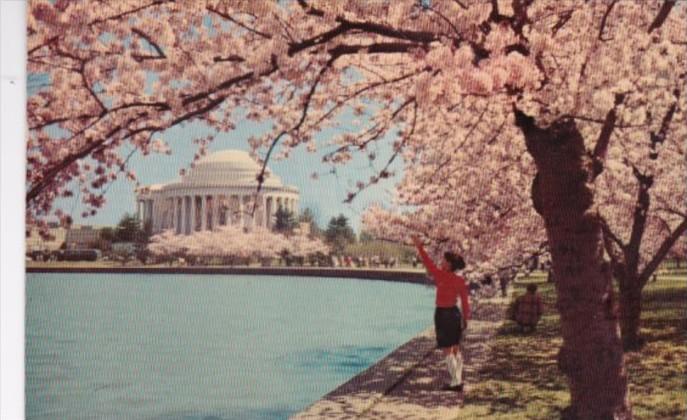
point(456, 388)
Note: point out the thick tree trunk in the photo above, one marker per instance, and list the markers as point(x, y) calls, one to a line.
point(591, 355)
point(630, 312)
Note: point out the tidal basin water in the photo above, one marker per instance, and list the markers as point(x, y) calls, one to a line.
point(201, 347)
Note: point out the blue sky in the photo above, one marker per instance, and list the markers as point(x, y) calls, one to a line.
point(323, 196)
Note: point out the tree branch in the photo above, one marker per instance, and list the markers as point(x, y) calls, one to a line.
point(377, 48)
point(236, 22)
point(659, 138)
point(639, 217)
point(662, 252)
point(384, 173)
point(603, 20)
point(306, 106)
point(599, 153)
point(129, 12)
point(662, 14)
point(160, 54)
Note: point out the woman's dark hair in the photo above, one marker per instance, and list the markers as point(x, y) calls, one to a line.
point(532, 288)
point(455, 261)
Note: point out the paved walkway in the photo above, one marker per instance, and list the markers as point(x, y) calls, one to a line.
point(407, 383)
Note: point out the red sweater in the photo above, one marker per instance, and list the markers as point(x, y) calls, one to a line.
point(449, 285)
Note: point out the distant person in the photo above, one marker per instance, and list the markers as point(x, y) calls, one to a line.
point(449, 323)
point(504, 279)
point(528, 309)
point(473, 287)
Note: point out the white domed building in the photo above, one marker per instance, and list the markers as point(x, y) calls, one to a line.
point(219, 190)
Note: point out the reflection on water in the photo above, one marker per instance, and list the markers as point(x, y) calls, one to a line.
point(202, 347)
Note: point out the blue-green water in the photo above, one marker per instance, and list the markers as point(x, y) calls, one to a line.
point(205, 346)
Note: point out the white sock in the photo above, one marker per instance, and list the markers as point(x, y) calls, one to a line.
point(459, 368)
point(451, 366)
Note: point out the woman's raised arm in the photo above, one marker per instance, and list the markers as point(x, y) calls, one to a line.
point(426, 260)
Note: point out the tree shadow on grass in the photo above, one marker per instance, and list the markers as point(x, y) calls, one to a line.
point(657, 372)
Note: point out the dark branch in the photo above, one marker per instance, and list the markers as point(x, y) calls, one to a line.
point(599, 153)
point(149, 40)
point(129, 12)
point(318, 39)
point(369, 27)
point(295, 128)
point(564, 18)
point(662, 14)
point(379, 48)
point(236, 22)
point(46, 43)
point(660, 136)
point(639, 219)
point(384, 173)
point(233, 58)
point(459, 3)
point(662, 252)
point(605, 17)
point(224, 85)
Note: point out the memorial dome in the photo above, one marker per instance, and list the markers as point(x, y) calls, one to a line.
point(220, 189)
point(228, 168)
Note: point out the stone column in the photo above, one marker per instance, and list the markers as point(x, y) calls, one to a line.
point(170, 222)
point(268, 212)
point(203, 212)
point(172, 213)
point(179, 220)
point(144, 205)
point(215, 212)
point(183, 223)
point(235, 210)
point(188, 209)
point(175, 215)
point(193, 214)
point(151, 217)
point(154, 218)
point(221, 212)
point(245, 211)
point(259, 211)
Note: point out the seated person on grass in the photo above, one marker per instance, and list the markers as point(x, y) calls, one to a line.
point(528, 309)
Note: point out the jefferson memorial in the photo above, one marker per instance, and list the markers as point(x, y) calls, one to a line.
point(219, 190)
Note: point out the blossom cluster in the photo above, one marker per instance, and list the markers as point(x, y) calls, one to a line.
point(233, 241)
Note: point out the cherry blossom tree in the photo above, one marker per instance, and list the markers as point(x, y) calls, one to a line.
point(446, 198)
point(567, 91)
point(304, 246)
point(232, 241)
point(641, 201)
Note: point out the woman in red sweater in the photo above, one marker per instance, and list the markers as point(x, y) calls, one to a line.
point(449, 322)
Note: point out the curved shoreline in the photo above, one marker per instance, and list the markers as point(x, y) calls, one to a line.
point(402, 276)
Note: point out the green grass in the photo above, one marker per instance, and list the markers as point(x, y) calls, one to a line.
point(521, 380)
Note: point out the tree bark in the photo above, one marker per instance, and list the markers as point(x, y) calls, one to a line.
point(630, 313)
point(591, 355)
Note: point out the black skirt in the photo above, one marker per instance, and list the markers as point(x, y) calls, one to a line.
point(448, 326)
